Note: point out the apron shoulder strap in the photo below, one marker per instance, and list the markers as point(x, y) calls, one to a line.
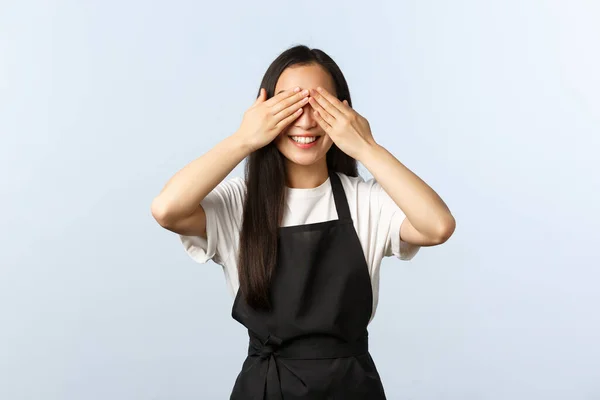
point(339, 196)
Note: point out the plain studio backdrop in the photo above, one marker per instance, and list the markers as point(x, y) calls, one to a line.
point(494, 104)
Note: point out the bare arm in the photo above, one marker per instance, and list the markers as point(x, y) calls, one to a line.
point(428, 220)
point(177, 206)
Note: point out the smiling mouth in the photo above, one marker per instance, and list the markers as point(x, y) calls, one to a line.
point(304, 139)
point(304, 142)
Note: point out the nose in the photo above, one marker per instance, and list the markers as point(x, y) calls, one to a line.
point(306, 120)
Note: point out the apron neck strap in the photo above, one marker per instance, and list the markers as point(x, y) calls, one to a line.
point(339, 196)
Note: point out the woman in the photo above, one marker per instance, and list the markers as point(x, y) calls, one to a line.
point(301, 238)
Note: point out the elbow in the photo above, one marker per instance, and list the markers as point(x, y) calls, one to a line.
point(445, 229)
point(159, 212)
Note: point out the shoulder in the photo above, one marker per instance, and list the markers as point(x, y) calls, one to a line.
point(350, 182)
point(231, 190)
point(358, 185)
point(236, 183)
point(224, 204)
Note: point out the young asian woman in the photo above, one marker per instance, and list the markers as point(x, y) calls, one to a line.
point(302, 236)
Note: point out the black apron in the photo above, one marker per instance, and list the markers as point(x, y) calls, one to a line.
point(313, 344)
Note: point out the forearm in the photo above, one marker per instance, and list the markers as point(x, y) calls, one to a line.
point(182, 194)
point(425, 210)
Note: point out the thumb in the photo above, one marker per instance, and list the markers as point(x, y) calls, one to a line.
point(261, 96)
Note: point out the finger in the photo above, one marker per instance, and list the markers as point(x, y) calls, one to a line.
point(293, 107)
point(288, 120)
point(322, 111)
point(300, 97)
point(260, 98)
point(341, 106)
point(278, 97)
point(326, 104)
point(324, 124)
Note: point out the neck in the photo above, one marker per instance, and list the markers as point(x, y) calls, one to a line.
point(306, 176)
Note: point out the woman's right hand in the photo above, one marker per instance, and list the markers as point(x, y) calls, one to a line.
point(266, 119)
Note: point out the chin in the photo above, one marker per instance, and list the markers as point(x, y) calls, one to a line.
point(302, 160)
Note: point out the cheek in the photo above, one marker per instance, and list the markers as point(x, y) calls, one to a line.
point(327, 142)
point(278, 139)
point(281, 141)
point(282, 135)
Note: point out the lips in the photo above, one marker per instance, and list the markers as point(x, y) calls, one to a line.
point(305, 135)
point(305, 145)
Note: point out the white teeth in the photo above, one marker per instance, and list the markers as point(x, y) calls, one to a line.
point(303, 139)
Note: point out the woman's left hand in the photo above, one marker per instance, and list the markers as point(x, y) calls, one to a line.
point(347, 129)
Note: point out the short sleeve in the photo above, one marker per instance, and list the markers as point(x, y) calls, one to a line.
point(390, 218)
point(223, 207)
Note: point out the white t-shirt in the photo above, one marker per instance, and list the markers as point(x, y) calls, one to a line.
point(376, 218)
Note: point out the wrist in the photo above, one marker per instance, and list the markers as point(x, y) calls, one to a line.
point(369, 152)
point(239, 143)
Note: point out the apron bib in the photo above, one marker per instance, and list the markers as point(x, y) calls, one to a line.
point(313, 343)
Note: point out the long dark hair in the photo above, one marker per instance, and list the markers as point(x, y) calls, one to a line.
point(265, 182)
